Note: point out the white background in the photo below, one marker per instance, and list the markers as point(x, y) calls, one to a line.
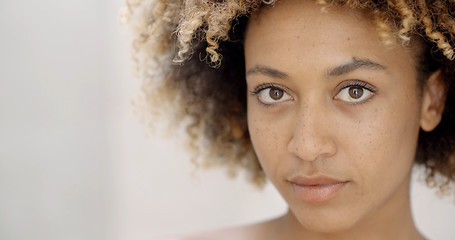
point(76, 164)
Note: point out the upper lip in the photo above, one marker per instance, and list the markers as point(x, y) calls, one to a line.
point(315, 180)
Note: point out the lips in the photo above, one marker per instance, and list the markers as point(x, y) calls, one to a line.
point(316, 189)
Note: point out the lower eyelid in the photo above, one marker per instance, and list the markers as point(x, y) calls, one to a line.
point(362, 102)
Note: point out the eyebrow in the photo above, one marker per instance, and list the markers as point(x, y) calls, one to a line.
point(267, 71)
point(337, 71)
point(354, 65)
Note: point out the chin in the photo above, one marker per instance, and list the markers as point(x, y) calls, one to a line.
point(326, 223)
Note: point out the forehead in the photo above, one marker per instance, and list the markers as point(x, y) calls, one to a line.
point(294, 31)
point(312, 10)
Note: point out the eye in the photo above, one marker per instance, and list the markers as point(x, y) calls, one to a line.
point(355, 93)
point(271, 94)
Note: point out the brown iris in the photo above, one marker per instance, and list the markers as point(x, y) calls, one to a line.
point(276, 93)
point(355, 92)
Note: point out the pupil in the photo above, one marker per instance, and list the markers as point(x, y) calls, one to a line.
point(356, 92)
point(276, 93)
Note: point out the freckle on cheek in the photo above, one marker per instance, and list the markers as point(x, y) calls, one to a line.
point(258, 131)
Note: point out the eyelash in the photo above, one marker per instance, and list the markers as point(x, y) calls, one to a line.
point(261, 88)
point(264, 86)
point(356, 83)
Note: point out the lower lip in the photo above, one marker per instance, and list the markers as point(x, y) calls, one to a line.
point(317, 193)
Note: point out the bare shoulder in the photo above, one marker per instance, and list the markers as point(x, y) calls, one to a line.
point(258, 231)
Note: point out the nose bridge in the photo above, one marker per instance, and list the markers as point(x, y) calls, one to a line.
point(312, 137)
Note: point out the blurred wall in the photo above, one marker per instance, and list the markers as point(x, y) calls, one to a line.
point(55, 91)
point(75, 163)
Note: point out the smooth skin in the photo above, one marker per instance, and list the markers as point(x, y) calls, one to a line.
point(327, 97)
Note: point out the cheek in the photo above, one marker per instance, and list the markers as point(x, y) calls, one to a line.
point(385, 147)
point(268, 139)
point(263, 137)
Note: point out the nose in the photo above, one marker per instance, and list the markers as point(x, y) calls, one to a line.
point(312, 136)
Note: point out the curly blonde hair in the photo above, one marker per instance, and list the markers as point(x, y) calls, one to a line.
point(189, 54)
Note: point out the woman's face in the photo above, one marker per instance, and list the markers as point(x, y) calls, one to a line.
point(333, 114)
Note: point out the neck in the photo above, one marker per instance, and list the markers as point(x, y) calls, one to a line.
point(393, 220)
